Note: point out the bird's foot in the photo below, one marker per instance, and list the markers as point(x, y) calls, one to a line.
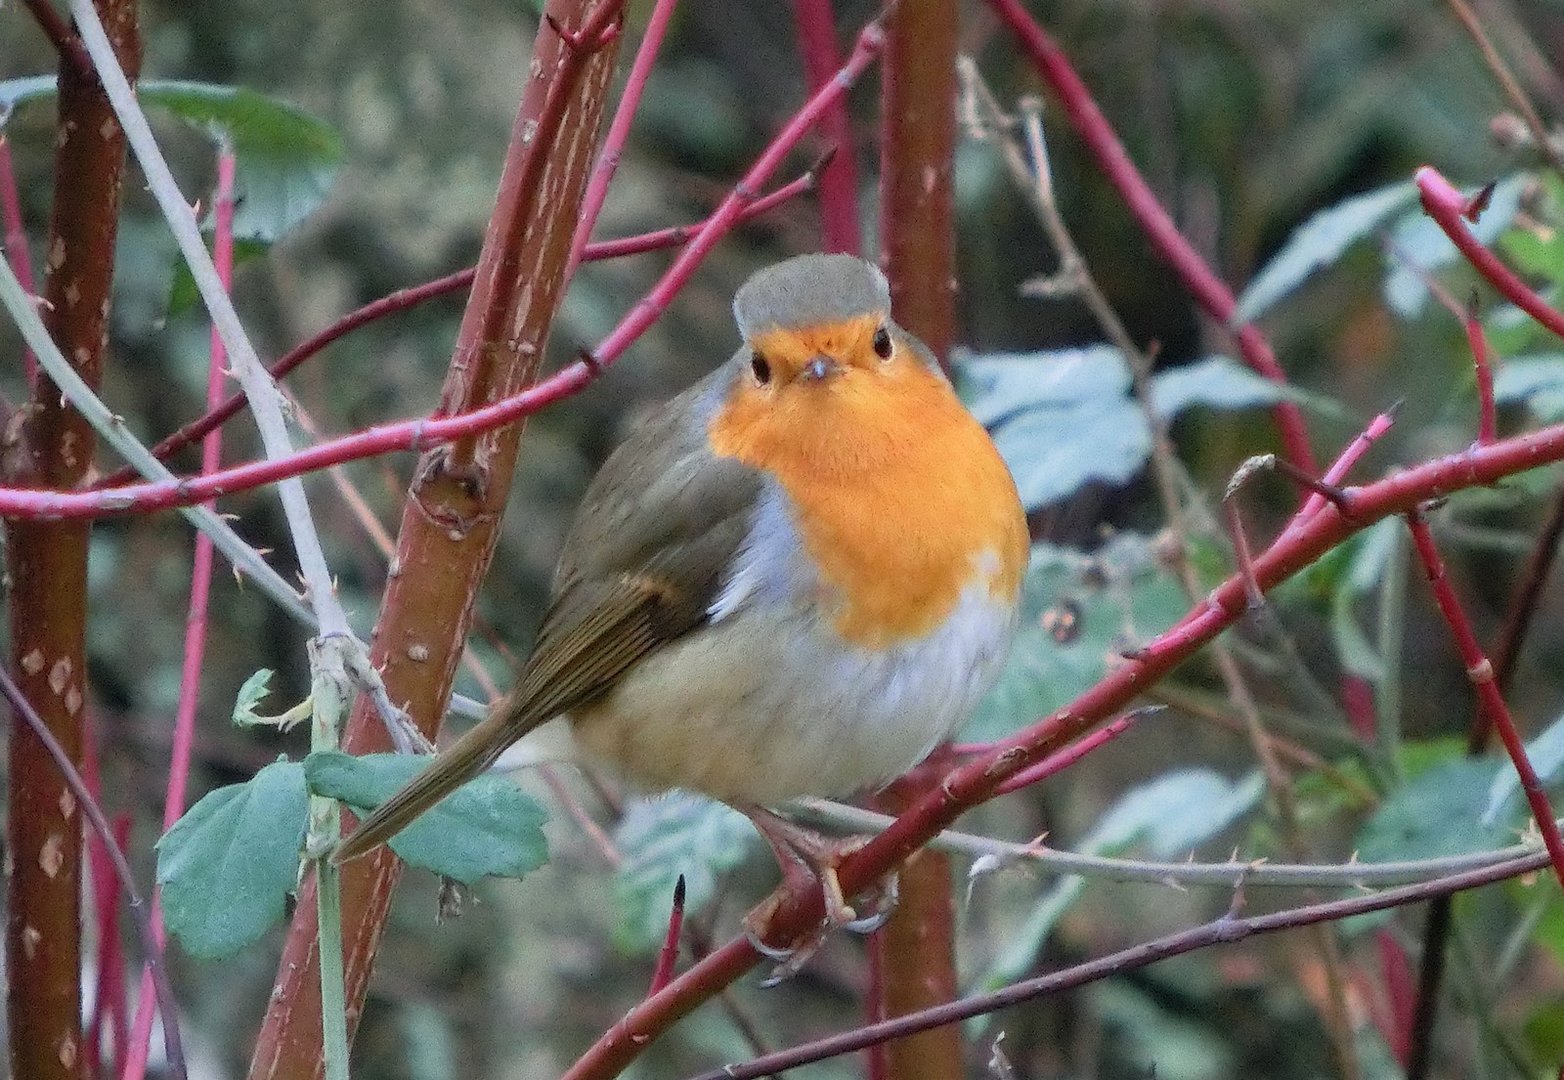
point(807, 860)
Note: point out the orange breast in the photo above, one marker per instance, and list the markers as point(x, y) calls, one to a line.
point(900, 498)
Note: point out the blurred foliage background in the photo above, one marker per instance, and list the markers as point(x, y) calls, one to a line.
point(1246, 117)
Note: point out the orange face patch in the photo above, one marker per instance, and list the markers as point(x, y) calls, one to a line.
point(900, 498)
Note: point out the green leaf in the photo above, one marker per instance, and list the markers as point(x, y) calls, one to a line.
point(1435, 814)
point(227, 866)
point(486, 827)
point(286, 158)
point(661, 838)
point(1218, 382)
point(251, 694)
point(1419, 246)
point(1319, 242)
point(1078, 613)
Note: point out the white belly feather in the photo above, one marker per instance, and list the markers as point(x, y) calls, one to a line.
point(767, 703)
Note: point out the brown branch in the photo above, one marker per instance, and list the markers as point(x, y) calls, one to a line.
point(61, 36)
point(450, 522)
point(916, 950)
point(48, 568)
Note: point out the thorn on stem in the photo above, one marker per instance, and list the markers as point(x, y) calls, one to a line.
point(1479, 202)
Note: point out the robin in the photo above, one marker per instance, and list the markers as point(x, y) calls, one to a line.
point(796, 578)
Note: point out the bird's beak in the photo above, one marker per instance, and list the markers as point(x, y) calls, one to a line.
point(819, 369)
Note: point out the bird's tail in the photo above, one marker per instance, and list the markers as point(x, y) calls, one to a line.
point(447, 771)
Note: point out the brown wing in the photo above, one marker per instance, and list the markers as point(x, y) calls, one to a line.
point(642, 566)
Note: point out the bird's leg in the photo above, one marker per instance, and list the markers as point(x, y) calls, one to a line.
point(807, 858)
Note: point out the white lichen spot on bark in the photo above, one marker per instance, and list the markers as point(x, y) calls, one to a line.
point(418, 653)
point(68, 1052)
point(32, 937)
point(67, 804)
point(32, 663)
point(51, 857)
point(73, 700)
point(60, 675)
point(57, 253)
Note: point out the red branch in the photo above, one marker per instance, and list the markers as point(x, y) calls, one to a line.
point(1062, 759)
point(619, 131)
point(976, 781)
point(817, 45)
point(1487, 413)
point(431, 431)
point(1490, 700)
point(413, 295)
point(1209, 291)
point(668, 955)
point(871, 40)
point(200, 596)
point(1450, 209)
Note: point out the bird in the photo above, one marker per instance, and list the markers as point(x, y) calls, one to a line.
point(795, 578)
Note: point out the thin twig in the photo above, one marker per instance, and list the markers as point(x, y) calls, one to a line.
point(1209, 291)
point(1508, 82)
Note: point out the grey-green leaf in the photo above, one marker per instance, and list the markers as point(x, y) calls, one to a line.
point(1546, 754)
point(227, 867)
point(1218, 382)
point(1175, 812)
point(1437, 813)
point(486, 827)
point(1319, 242)
point(661, 838)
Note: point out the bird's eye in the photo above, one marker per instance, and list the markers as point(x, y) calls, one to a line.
point(882, 343)
point(759, 368)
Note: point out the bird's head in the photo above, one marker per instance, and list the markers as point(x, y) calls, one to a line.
point(823, 367)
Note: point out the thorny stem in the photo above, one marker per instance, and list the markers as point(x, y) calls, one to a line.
point(1228, 929)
